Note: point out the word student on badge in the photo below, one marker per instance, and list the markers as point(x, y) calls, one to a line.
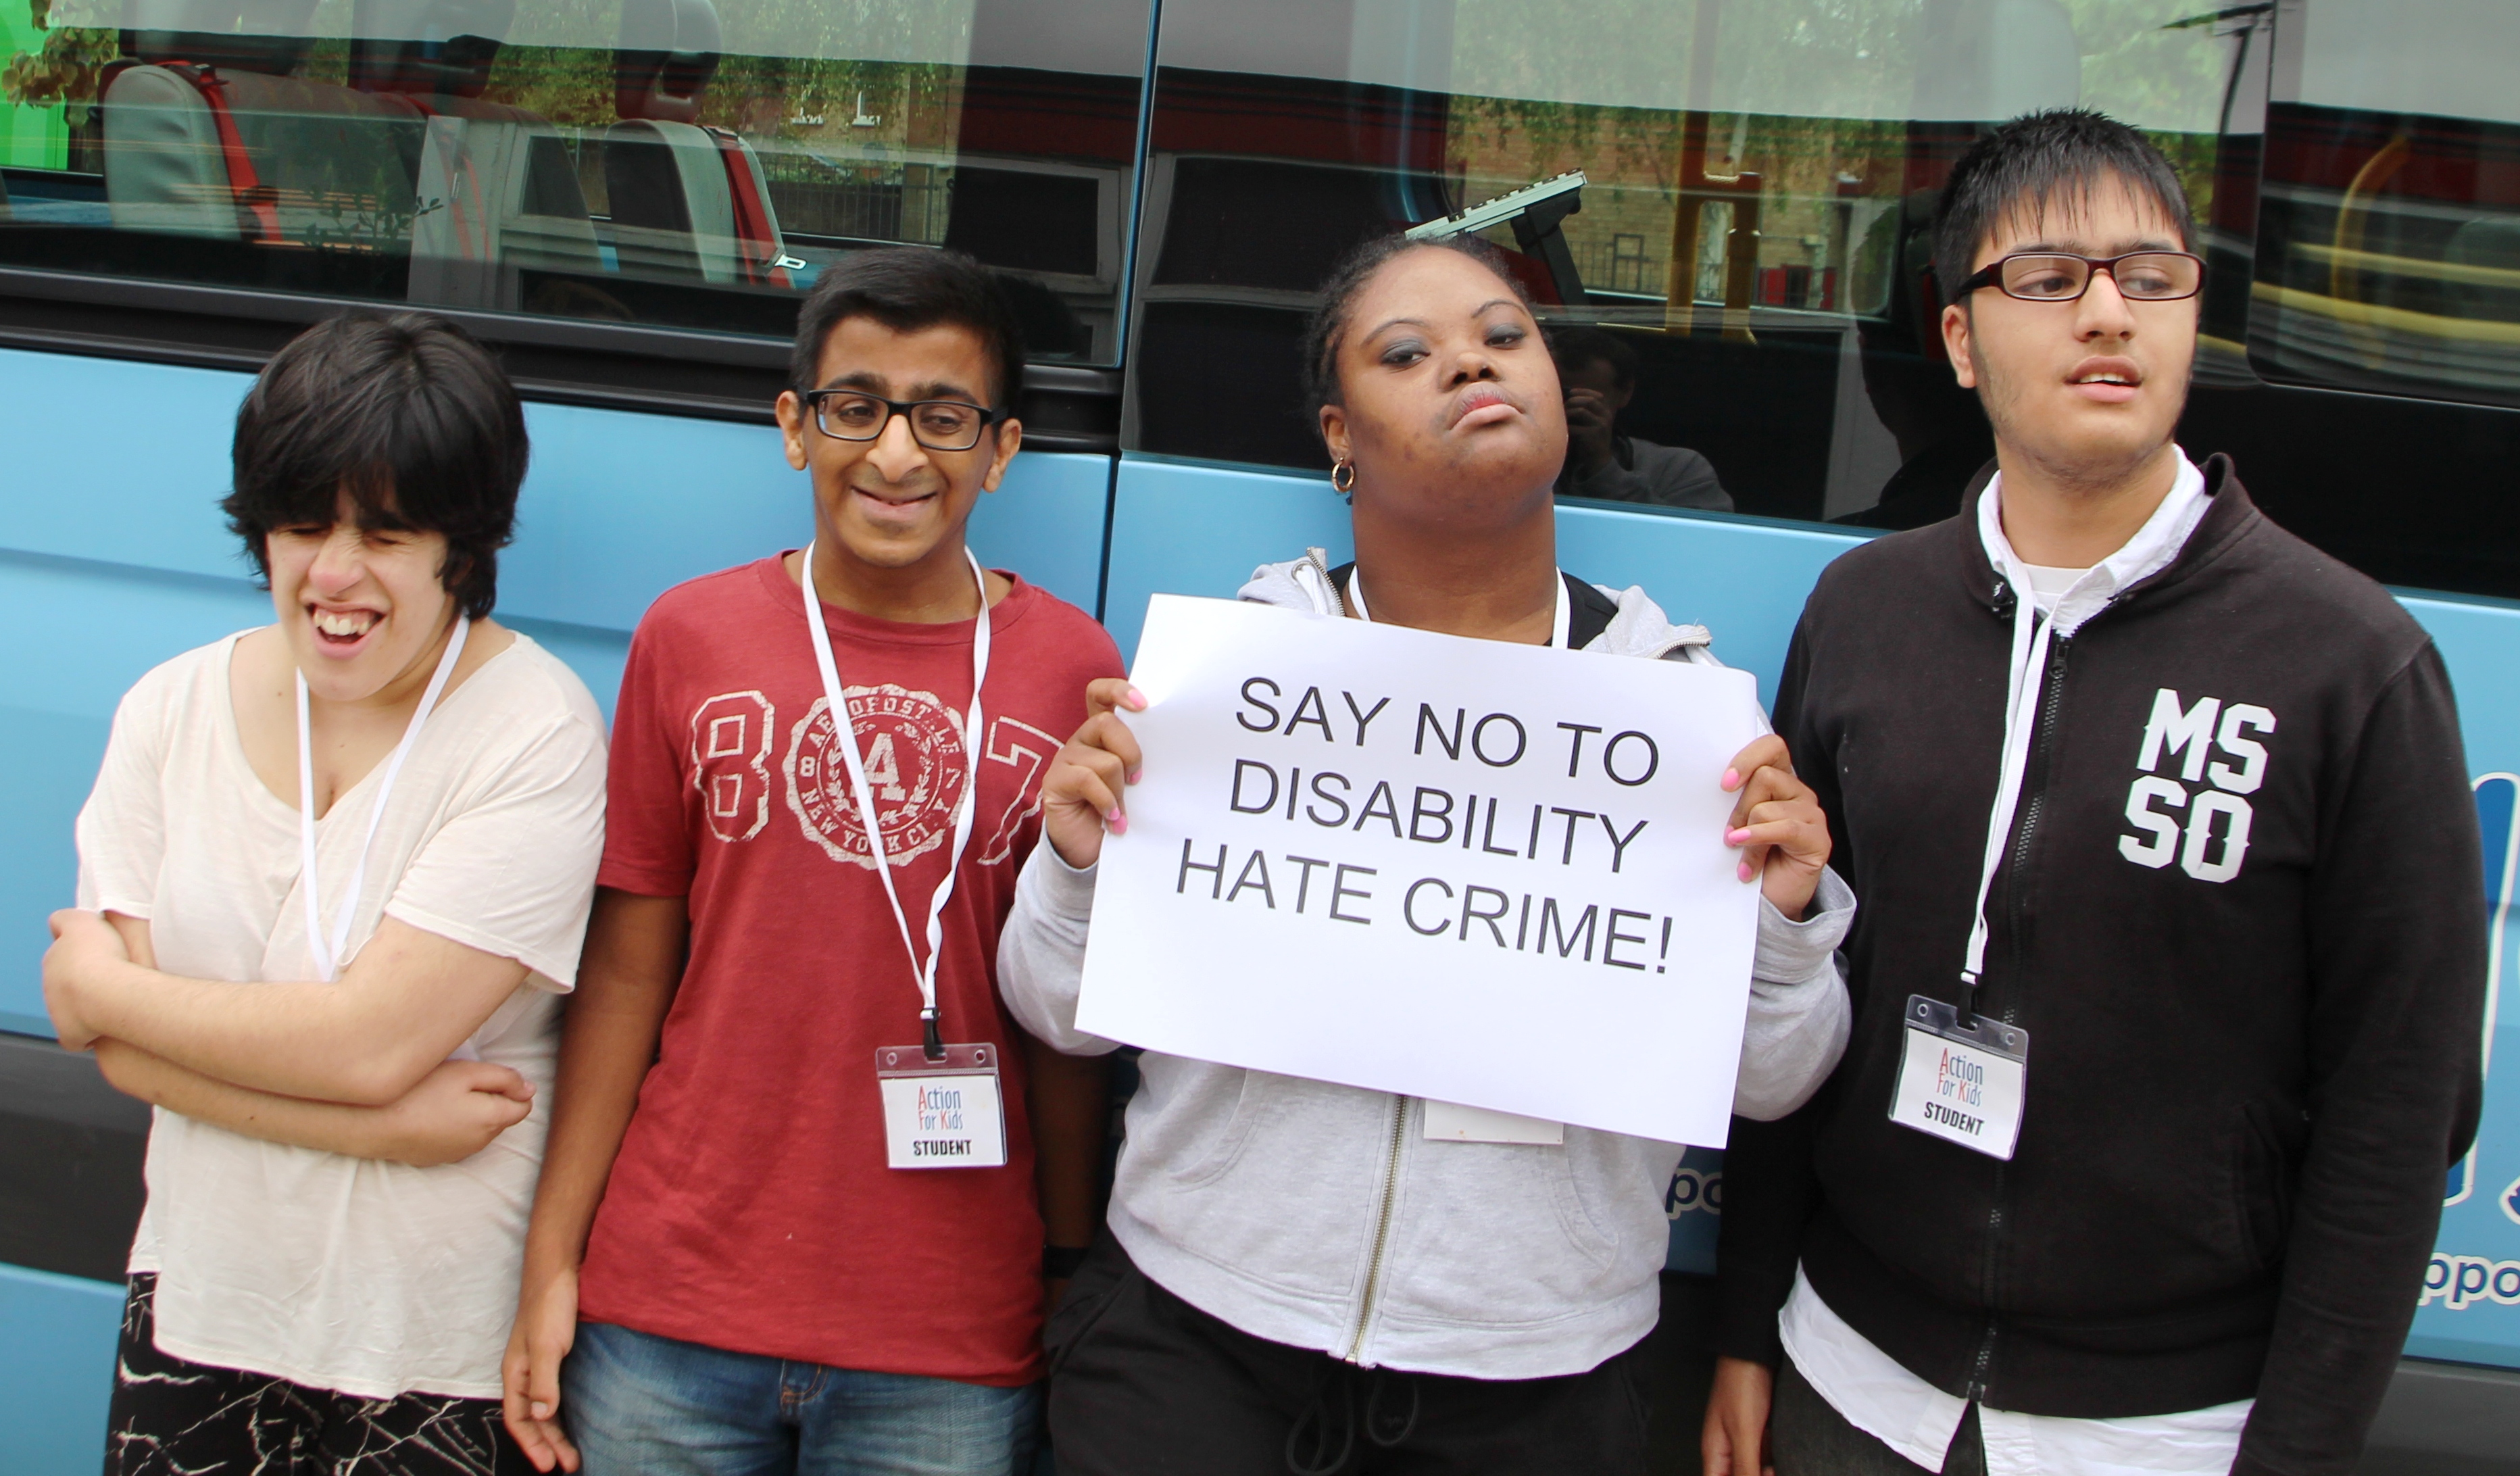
point(1355, 785)
point(2171, 961)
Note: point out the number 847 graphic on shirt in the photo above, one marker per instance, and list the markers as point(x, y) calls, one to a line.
point(912, 744)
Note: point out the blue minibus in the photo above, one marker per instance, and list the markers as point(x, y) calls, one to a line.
point(1721, 205)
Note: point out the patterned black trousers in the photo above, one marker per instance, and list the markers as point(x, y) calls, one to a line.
point(171, 1418)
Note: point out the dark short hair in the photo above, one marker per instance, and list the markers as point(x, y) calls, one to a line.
point(1579, 344)
point(1328, 322)
point(907, 288)
point(410, 418)
point(2034, 158)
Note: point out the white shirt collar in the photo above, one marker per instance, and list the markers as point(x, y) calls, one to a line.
point(2147, 552)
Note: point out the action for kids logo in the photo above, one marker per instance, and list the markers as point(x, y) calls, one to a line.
point(940, 1111)
point(1959, 1080)
point(912, 746)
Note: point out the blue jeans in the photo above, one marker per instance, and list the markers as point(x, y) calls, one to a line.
point(639, 1405)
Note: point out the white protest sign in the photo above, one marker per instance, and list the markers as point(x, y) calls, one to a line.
point(1462, 869)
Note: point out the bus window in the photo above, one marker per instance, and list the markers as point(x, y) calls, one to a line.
point(2389, 226)
point(1724, 220)
point(681, 163)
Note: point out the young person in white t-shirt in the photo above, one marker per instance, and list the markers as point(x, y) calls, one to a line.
point(332, 879)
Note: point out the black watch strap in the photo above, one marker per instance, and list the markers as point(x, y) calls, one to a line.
point(1058, 1263)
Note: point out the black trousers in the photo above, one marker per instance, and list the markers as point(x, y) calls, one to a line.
point(1144, 1384)
point(172, 1418)
point(1810, 1438)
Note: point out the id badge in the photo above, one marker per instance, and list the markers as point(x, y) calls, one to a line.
point(1965, 1082)
point(1451, 1122)
point(943, 1114)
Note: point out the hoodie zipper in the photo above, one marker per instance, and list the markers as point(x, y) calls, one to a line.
point(1381, 1225)
point(2035, 803)
point(2025, 834)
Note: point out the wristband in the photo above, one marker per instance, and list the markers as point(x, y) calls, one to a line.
point(1058, 1263)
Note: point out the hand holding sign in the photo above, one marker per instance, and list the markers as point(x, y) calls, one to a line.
point(1081, 795)
point(1505, 886)
point(1779, 823)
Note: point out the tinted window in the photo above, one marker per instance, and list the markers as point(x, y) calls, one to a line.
point(1744, 277)
point(683, 162)
point(2388, 235)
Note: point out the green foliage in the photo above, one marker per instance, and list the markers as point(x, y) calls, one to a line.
point(65, 70)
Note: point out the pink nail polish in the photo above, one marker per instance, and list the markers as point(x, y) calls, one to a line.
point(1736, 837)
point(1136, 773)
point(1731, 778)
point(1119, 824)
point(1745, 870)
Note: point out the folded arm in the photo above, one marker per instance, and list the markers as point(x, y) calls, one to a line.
point(405, 1002)
point(454, 1112)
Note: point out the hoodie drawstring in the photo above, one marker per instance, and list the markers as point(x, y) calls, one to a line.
point(2028, 674)
point(1316, 1424)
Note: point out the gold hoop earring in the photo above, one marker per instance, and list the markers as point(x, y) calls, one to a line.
point(1347, 469)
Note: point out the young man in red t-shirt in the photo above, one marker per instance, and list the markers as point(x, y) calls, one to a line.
point(740, 1246)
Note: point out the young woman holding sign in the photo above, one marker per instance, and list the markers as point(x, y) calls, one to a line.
point(1300, 1276)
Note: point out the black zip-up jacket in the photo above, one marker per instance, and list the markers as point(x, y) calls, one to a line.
point(2248, 1069)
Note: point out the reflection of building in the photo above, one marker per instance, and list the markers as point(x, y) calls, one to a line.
point(2383, 263)
point(658, 161)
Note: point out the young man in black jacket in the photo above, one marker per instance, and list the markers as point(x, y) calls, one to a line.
point(2169, 958)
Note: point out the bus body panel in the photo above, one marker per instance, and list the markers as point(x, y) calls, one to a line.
point(56, 1370)
point(2461, 1320)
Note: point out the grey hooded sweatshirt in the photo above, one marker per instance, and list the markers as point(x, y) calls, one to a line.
point(1321, 1216)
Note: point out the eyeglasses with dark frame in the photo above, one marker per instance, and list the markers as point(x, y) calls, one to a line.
point(853, 415)
point(2064, 277)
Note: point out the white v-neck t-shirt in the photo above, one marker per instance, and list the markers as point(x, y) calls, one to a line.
point(368, 1277)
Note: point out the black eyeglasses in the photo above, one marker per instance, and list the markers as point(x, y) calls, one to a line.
point(853, 415)
point(2057, 276)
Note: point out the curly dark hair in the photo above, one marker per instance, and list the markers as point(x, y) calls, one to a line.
point(408, 415)
point(1328, 325)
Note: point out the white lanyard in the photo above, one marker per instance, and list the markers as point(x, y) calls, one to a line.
point(1557, 638)
point(2028, 675)
point(846, 728)
point(328, 951)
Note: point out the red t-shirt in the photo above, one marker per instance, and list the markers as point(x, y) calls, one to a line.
point(750, 1209)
